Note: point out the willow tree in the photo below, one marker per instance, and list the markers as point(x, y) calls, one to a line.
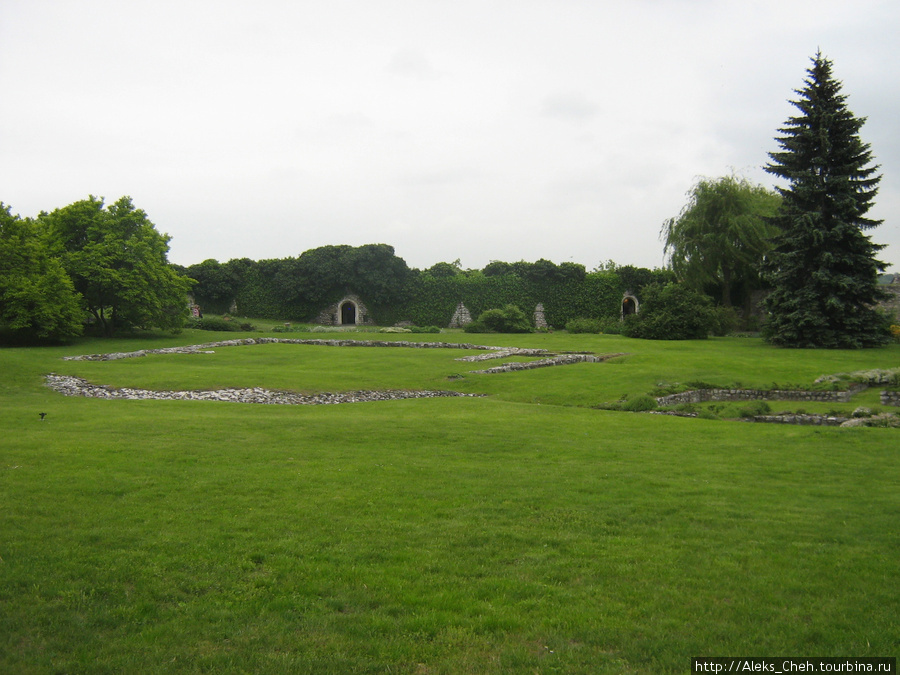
point(823, 268)
point(722, 234)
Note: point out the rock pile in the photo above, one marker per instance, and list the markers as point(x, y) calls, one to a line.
point(503, 353)
point(817, 420)
point(705, 395)
point(205, 347)
point(563, 360)
point(75, 386)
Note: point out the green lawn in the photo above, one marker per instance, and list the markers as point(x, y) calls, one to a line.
point(521, 532)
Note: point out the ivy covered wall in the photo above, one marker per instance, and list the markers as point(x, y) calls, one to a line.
point(297, 289)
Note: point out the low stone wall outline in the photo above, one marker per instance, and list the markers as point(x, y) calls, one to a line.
point(706, 395)
point(76, 386)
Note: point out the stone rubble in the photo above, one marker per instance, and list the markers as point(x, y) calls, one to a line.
point(205, 347)
point(802, 419)
point(705, 395)
point(75, 386)
point(504, 353)
point(562, 360)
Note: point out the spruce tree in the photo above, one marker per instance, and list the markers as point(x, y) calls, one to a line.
point(823, 268)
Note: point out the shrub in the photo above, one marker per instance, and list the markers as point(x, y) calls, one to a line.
point(584, 326)
point(288, 328)
point(640, 404)
point(612, 325)
point(510, 319)
point(725, 321)
point(424, 329)
point(754, 409)
point(671, 312)
point(215, 323)
point(895, 333)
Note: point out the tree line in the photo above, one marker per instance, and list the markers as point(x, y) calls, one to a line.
point(86, 264)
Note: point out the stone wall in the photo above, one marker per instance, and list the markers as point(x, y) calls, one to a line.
point(890, 398)
point(540, 321)
point(705, 395)
point(461, 317)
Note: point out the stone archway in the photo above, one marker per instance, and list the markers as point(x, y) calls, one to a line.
point(630, 305)
point(349, 313)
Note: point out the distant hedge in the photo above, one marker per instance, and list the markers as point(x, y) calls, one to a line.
point(297, 289)
point(433, 300)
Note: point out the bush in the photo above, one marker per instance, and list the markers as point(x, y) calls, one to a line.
point(640, 404)
point(216, 324)
point(671, 312)
point(612, 325)
point(584, 326)
point(288, 328)
point(510, 319)
point(725, 321)
point(424, 329)
point(754, 409)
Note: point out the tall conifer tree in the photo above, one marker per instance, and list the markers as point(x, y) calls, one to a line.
point(823, 267)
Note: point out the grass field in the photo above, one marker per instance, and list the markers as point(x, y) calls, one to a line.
point(525, 531)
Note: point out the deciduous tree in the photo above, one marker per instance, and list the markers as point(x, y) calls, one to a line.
point(118, 263)
point(37, 298)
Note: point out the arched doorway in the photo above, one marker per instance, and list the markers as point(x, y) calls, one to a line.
point(348, 313)
point(629, 305)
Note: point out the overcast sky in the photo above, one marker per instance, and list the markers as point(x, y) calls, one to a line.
point(451, 129)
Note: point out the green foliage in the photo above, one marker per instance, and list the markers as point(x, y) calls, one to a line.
point(612, 325)
point(219, 324)
point(444, 269)
point(722, 234)
point(671, 312)
point(432, 301)
point(754, 409)
point(584, 326)
point(217, 283)
point(641, 403)
point(118, 263)
point(299, 288)
point(823, 268)
point(37, 298)
point(635, 278)
point(497, 268)
point(725, 321)
point(510, 319)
